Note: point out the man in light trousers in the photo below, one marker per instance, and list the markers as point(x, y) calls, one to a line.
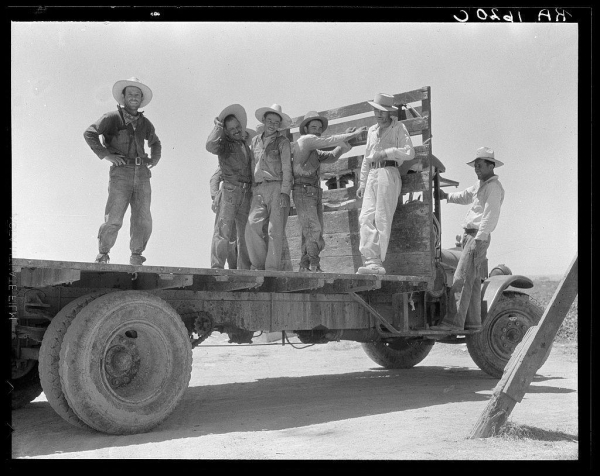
point(485, 198)
point(388, 147)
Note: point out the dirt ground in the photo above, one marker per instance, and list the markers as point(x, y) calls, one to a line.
point(328, 402)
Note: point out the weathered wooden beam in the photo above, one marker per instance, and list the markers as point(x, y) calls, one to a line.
point(148, 281)
point(229, 283)
point(527, 358)
point(292, 284)
point(40, 277)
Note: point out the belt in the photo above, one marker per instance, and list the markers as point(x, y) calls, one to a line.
point(136, 161)
point(384, 163)
point(471, 231)
point(239, 184)
point(298, 186)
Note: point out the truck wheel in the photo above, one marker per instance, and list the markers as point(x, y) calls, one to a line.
point(125, 362)
point(401, 353)
point(50, 354)
point(502, 331)
point(25, 381)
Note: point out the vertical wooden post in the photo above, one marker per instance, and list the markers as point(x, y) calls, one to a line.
point(527, 358)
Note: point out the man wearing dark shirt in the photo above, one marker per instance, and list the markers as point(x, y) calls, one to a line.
point(124, 132)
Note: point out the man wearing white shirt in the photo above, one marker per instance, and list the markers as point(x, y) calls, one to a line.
point(388, 147)
point(485, 198)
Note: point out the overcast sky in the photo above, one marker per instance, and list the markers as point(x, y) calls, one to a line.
point(511, 87)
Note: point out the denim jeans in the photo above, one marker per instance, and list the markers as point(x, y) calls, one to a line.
point(464, 303)
point(230, 225)
point(128, 185)
point(379, 204)
point(266, 245)
point(309, 205)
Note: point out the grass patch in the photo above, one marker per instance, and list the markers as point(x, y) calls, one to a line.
point(543, 290)
point(512, 431)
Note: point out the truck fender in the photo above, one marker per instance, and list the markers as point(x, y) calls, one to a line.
point(492, 289)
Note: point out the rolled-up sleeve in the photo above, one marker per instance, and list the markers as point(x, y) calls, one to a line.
point(462, 198)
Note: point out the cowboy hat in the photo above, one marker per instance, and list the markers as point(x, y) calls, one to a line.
point(286, 121)
point(487, 154)
point(238, 111)
point(311, 116)
point(117, 90)
point(251, 133)
point(383, 101)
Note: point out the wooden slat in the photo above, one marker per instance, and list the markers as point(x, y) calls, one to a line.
point(362, 107)
point(348, 164)
point(415, 126)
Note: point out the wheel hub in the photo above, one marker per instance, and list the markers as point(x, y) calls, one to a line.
point(121, 362)
point(507, 332)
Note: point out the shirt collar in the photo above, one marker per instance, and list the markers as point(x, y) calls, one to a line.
point(130, 118)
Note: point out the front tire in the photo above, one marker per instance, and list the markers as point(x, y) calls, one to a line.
point(502, 331)
point(401, 353)
point(125, 362)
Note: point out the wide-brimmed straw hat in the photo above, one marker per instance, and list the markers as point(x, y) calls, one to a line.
point(238, 111)
point(117, 90)
point(312, 116)
point(487, 154)
point(286, 121)
point(383, 101)
point(251, 133)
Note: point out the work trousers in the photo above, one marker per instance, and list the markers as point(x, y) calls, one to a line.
point(266, 245)
point(309, 206)
point(230, 226)
point(378, 207)
point(464, 303)
point(128, 185)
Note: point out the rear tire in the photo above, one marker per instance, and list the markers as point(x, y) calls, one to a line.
point(50, 355)
point(502, 331)
point(401, 353)
point(125, 362)
point(26, 387)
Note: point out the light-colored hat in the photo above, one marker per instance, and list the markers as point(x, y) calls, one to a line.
point(487, 154)
point(311, 116)
point(238, 111)
point(286, 121)
point(382, 101)
point(120, 85)
point(251, 133)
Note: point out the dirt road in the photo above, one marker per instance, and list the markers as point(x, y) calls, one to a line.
point(327, 402)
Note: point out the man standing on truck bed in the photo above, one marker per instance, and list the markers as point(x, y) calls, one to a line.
point(272, 184)
point(307, 193)
point(229, 140)
point(388, 147)
point(486, 198)
point(124, 132)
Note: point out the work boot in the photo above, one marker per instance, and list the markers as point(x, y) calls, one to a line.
point(303, 268)
point(315, 268)
point(102, 258)
point(137, 260)
point(371, 269)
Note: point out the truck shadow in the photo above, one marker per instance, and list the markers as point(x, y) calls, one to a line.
point(272, 404)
